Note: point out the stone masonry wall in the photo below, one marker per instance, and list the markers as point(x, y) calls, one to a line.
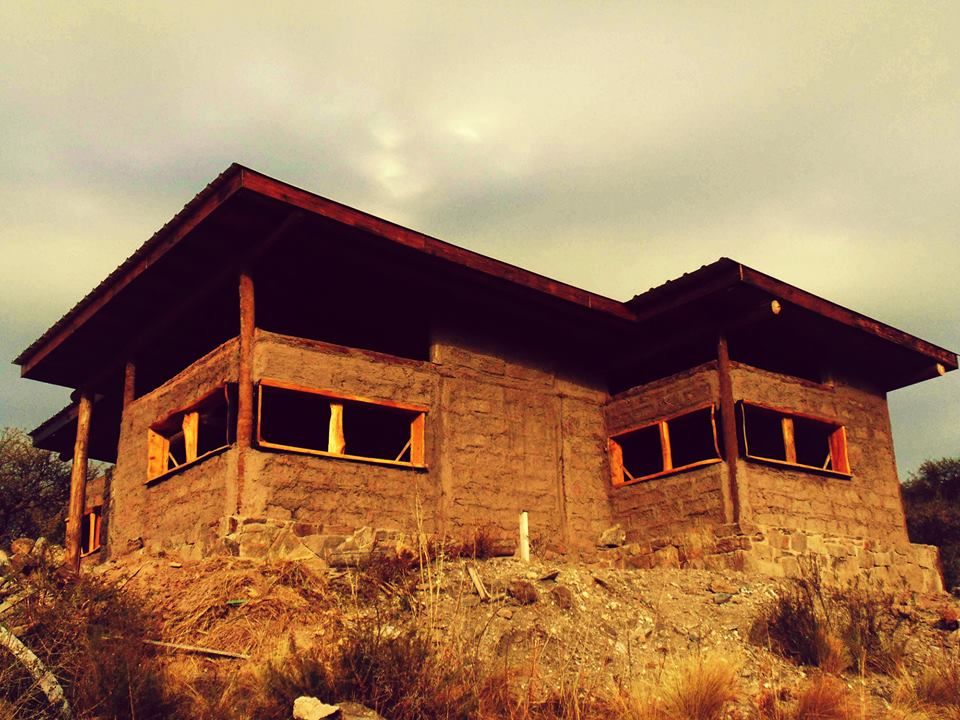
point(782, 552)
point(677, 503)
point(183, 509)
point(519, 432)
point(341, 495)
point(868, 505)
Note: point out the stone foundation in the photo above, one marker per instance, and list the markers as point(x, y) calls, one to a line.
point(778, 552)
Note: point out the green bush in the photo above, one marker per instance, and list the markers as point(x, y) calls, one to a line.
point(931, 498)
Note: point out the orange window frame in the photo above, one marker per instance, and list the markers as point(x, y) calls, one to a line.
point(838, 455)
point(336, 440)
point(620, 476)
point(91, 542)
point(160, 463)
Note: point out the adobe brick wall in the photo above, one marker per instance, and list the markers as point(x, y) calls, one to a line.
point(685, 501)
point(868, 505)
point(184, 508)
point(519, 432)
point(341, 494)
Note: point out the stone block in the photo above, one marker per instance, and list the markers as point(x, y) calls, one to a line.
point(612, 537)
point(667, 557)
point(798, 542)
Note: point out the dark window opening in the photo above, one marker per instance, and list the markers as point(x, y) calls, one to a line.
point(791, 439)
point(191, 434)
point(812, 441)
point(642, 452)
point(693, 438)
point(90, 527)
point(764, 433)
point(668, 445)
point(294, 418)
point(324, 423)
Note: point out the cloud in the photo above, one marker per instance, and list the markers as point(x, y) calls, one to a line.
point(612, 146)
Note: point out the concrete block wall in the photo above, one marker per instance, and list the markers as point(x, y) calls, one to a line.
point(867, 505)
point(184, 508)
point(677, 503)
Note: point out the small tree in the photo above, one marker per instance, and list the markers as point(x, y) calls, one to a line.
point(931, 498)
point(34, 489)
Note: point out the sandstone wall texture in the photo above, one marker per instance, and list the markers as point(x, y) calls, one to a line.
point(340, 494)
point(678, 503)
point(867, 505)
point(510, 430)
point(183, 509)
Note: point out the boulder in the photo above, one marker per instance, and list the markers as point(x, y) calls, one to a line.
point(522, 591)
point(612, 537)
point(310, 708)
point(356, 711)
point(22, 546)
point(563, 597)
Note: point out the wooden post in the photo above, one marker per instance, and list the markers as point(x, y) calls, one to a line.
point(524, 537)
point(728, 430)
point(129, 383)
point(78, 481)
point(245, 378)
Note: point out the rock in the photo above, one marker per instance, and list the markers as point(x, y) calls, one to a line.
point(720, 585)
point(40, 547)
point(667, 557)
point(134, 544)
point(522, 591)
point(721, 598)
point(176, 565)
point(563, 597)
point(356, 711)
point(310, 708)
point(552, 575)
point(505, 613)
point(4, 560)
point(612, 537)
point(22, 563)
point(21, 546)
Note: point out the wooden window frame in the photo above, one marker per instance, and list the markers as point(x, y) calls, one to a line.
point(417, 442)
point(93, 539)
point(158, 443)
point(837, 442)
point(620, 476)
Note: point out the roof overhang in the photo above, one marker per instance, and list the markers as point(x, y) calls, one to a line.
point(234, 212)
point(728, 293)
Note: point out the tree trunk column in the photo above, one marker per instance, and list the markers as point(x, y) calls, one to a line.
point(245, 379)
point(78, 481)
point(728, 430)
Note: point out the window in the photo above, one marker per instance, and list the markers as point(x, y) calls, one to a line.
point(321, 422)
point(668, 445)
point(788, 438)
point(90, 530)
point(192, 434)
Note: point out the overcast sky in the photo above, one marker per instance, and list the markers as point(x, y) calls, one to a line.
point(610, 145)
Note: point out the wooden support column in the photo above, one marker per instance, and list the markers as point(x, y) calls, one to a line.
point(129, 383)
point(78, 480)
point(728, 430)
point(245, 378)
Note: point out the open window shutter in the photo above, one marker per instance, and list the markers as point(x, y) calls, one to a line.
point(417, 451)
point(838, 450)
point(157, 449)
point(336, 443)
point(191, 426)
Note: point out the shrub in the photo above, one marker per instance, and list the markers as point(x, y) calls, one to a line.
point(701, 688)
point(833, 630)
point(90, 636)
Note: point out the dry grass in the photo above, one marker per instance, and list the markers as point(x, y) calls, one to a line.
point(934, 690)
point(834, 630)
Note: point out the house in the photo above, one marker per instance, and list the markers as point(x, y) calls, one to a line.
point(273, 371)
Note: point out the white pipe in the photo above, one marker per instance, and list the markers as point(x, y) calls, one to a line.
point(524, 537)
